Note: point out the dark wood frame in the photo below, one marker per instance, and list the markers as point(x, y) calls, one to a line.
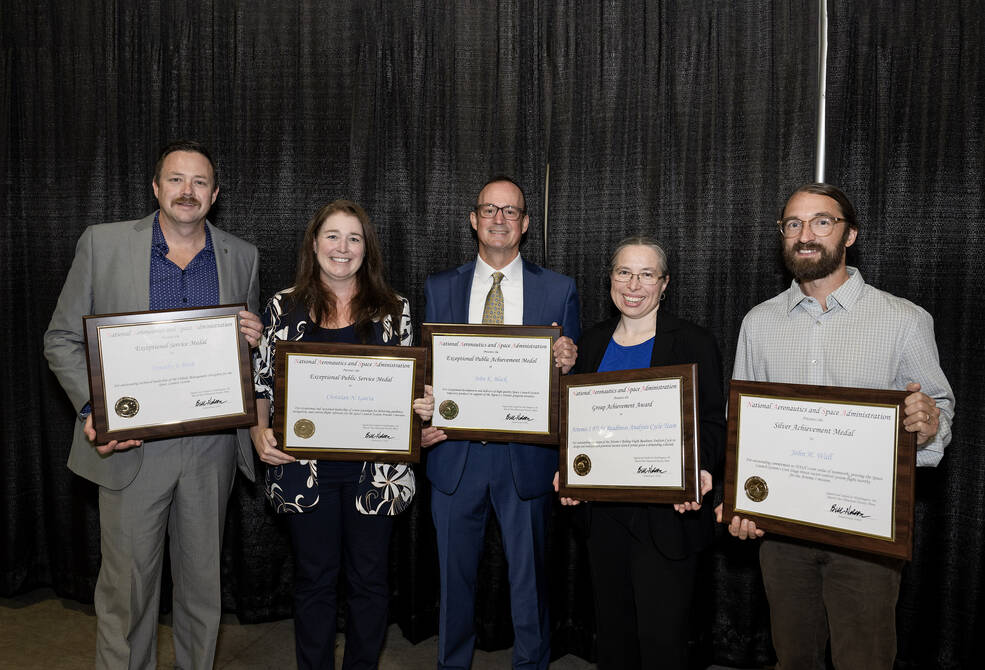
point(688, 374)
point(901, 546)
point(341, 350)
point(97, 400)
point(429, 330)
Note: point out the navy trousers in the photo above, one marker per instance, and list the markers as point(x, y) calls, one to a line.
point(460, 523)
point(334, 538)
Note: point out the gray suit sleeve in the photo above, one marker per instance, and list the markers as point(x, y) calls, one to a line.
point(64, 343)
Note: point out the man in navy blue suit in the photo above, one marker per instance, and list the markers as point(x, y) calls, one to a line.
point(515, 480)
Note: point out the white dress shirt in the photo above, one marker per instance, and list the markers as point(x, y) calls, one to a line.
point(512, 287)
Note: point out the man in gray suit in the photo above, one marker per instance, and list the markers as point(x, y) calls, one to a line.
point(171, 259)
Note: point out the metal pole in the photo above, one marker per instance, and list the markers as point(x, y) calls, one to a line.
point(547, 194)
point(822, 77)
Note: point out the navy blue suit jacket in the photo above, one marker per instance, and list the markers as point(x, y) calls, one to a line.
point(548, 297)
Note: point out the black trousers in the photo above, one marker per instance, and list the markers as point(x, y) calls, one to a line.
point(642, 598)
point(335, 538)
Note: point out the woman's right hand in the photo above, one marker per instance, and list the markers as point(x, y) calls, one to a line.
point(266, 447)
point(564, 501)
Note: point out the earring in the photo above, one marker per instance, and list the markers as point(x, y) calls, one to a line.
point(663, 295)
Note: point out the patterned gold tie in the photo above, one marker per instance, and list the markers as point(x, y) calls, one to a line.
point(493, 311)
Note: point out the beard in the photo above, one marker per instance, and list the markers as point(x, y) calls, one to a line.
point(812, 269)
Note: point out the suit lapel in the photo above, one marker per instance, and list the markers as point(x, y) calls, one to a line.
point(461, 293)
point(140, 241)
point(222, 263)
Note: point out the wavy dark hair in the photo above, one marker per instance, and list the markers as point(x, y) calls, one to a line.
point(374, 299)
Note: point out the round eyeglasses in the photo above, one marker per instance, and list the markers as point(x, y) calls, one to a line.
point(821, 226)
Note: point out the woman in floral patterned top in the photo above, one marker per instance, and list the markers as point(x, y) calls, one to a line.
point(339, 513)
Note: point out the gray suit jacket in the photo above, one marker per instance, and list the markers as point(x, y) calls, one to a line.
point(110, 274)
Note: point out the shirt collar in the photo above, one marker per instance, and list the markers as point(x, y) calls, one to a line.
point(845, 295)
point(510, 273)
point(160, 245)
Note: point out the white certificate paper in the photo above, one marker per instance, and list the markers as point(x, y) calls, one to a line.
point(167, 372)
point(349, 403)
point(625, 434)
point(826, 464)
point(492, 383)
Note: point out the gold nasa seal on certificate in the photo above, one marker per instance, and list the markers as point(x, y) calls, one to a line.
point(448, 409)
point(304, 428)
point(756, 489)
point(127, 407)
point(582, 465)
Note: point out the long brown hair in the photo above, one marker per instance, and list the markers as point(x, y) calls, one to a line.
point(374, 299)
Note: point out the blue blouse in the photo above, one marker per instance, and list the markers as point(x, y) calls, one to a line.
point(618, 357)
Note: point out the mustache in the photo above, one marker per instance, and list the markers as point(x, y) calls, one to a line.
point(186, 200)
point(807, 246)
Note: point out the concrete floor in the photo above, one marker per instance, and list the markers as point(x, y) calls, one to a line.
point(39, 630)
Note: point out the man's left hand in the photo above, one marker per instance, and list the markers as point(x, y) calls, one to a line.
point(921, 415)
point(251, 326)
point(565, 353)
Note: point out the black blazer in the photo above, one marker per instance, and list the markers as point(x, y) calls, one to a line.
point(676, 341)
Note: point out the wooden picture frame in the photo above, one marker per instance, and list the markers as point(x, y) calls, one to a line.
point(161, 366)
point(834, 483)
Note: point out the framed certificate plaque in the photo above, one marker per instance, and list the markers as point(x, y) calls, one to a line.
point(348, 402)
point(494, 383)
point(826, 464)
point(630, 435)
point(158, 374)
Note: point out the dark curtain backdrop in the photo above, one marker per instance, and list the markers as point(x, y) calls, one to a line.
point(907, 139)
point(689, 121)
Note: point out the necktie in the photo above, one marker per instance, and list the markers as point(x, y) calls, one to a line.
point(493, 311)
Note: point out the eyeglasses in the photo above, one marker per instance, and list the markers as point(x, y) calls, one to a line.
point(821, 226)
point(489, 210)
point(646, 277)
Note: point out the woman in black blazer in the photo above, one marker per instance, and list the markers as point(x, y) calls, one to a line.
point(644, 556)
